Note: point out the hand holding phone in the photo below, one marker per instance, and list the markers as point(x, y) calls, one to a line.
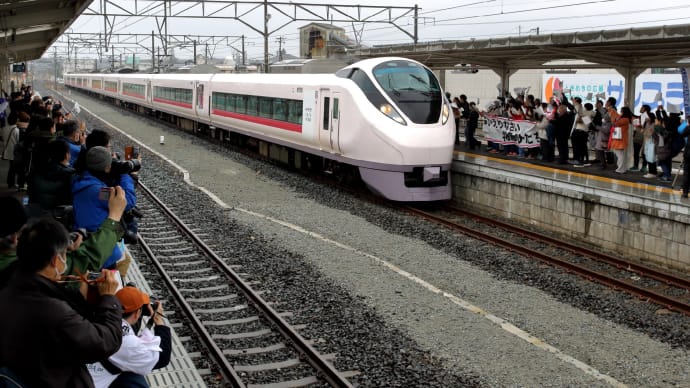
point(104, 194)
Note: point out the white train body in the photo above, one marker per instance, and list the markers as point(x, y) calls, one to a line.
point(386, 116)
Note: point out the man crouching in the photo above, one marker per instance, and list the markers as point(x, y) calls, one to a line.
point(139, 354)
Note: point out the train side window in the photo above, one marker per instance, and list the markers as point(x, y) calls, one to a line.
point(266, 107)
point(252, 105)
point(230, 102)
point(241, 104)
point(294, 111)
point(219, 101)
point(298, 111)
point(326, 109)
point(280, 109)
point(336, 103)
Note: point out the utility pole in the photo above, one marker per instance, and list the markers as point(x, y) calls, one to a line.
point(195, 52)
point(153, 54)
point(416, 23)
point(266, 17)
point(243, 62)
point(280, 47)
point(55, 67)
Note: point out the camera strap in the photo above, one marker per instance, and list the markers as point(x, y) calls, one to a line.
point(110, 367)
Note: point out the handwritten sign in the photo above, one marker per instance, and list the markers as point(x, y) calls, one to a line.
point(505, 131)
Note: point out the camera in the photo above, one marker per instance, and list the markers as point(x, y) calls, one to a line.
point(154, 306)
point(125, 167)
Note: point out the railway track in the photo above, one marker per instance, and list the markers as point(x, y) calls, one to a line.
point(250, 342)
point(647, 283)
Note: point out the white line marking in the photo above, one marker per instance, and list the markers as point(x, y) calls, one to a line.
point(505, 325)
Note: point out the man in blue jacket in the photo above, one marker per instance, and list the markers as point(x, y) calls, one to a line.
point(90, 195)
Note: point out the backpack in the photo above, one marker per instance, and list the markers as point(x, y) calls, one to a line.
point(677, 144)
point(22, 150)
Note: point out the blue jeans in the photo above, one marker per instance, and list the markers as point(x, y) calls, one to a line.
point(129, 380)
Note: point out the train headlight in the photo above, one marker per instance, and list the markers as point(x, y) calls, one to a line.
point(389, 111)
point(446, 114)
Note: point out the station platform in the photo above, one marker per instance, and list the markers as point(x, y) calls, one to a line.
point(181, 371)
point(644, 220)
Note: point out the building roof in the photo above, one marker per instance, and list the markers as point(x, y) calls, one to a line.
point(639, 48)
point(33, 25)
point(322, 25)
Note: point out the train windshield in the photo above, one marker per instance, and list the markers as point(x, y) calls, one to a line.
point(413, 88)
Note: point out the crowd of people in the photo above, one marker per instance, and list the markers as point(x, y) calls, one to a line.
point(74, 320)
point(645, 143)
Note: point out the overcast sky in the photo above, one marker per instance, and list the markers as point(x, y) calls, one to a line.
point(438, 20)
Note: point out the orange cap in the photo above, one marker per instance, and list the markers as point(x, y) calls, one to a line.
point(131, 299)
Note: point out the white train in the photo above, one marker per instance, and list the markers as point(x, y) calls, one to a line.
point(387, 116)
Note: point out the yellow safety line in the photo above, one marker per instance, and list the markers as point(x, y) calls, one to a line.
point(641, 186)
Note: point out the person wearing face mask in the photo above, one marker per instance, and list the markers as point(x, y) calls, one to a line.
point(52, 333)
point(142, 351)
point(81, 257)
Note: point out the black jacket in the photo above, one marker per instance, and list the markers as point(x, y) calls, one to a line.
point(45, 336)
point(52, 186)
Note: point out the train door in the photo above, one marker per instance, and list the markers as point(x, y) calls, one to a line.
point(335, 121)
point(329, 122)
point(200, 108)
point(324, 119)
point(149, 91)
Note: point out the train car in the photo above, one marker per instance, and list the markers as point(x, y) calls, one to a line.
point(386, 117)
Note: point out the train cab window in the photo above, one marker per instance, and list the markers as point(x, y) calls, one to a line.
point(326, 108)
point(413, 88)
point(362, 80)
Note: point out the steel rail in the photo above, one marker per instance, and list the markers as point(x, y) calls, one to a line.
point(640, 269)
point(669, 302)
point(216, 353)
point(328, 371)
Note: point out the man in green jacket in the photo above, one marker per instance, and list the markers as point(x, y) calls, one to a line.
point(83, 256)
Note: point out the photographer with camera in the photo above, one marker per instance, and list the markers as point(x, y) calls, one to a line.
point(49, 332)
point(131, 165)
point(82, 254)
point(91, 192)
point(140, 353)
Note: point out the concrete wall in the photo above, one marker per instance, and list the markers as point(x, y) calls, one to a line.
point(643, 230)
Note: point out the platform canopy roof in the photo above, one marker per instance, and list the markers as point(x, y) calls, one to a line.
point(29, 27)
point(638, 48)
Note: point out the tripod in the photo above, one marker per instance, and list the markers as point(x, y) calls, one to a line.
point(681, 167)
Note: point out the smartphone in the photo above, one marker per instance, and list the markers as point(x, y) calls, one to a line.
point(104, 194)
point(91, 276)
point(135, 153)
point(129, 151)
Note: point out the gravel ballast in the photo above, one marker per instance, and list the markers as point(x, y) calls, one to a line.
point(338, 266)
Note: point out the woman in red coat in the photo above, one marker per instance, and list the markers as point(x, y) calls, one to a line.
point(620, 131)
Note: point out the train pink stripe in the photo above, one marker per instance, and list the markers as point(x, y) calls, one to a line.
point(260, 120)
point(132, 94)
point(171, 102)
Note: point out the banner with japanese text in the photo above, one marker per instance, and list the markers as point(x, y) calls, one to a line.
point(505, 131)
point(686, 92)
point(650, 89)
